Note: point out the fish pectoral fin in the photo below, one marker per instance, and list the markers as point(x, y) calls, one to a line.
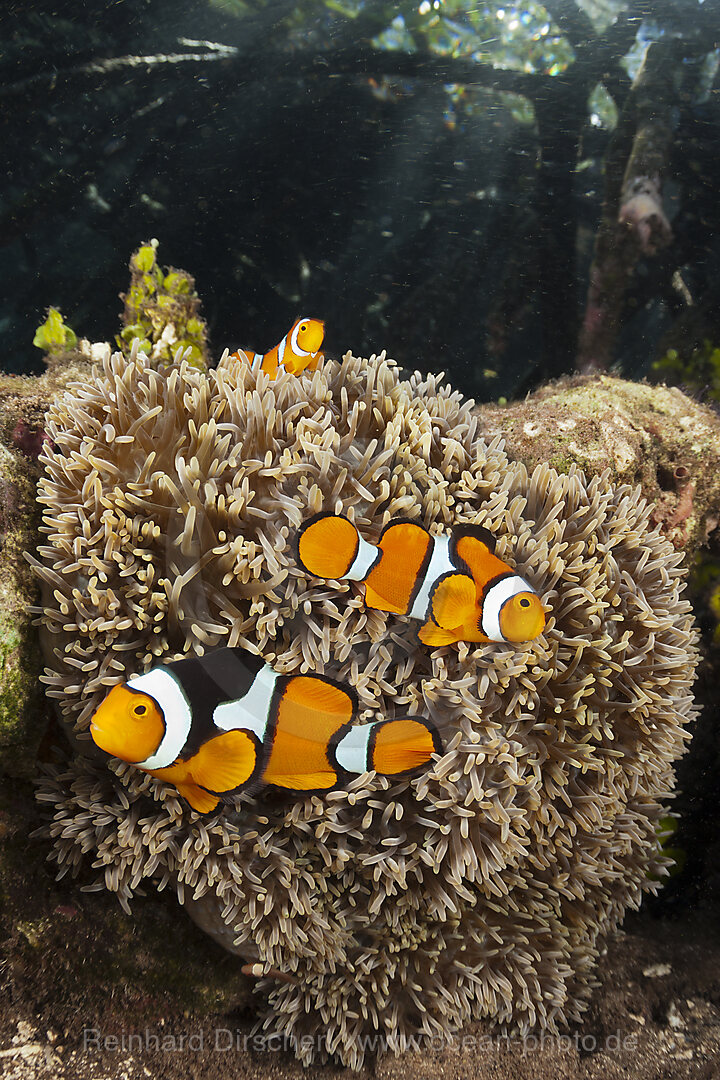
point(200, 800)
point(404, 744)
point(432, 634)
point(453, 600)
point(224, 762)
point(475, 548)
point(312, 781)
point(178, 775)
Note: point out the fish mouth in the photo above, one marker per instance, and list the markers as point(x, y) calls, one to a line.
point(97, 734)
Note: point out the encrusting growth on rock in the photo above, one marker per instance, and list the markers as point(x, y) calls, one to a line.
point(653, 436)
point(23, 402)
point(481, 888)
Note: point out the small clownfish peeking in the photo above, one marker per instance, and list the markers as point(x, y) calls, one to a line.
point(455, 584)
point(298, 350)
point(223, 722)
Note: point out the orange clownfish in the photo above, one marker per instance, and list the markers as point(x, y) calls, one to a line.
point(298, 350)
point(225, 721)
point(455, 583)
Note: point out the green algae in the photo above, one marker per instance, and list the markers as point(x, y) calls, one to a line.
point(23, 708)
point(562, 461)
point(162, 312)
point(697, 370)
point(54, 336)
point(672, 858)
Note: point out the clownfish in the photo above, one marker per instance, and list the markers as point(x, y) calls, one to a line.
point(298, 350)
point(455, 584)
point(223, 722)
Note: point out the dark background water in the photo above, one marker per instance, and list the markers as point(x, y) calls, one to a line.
point(428, 179)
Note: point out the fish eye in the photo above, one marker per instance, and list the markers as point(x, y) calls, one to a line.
point(524, 602)
point(304, 326)
point(140, 710)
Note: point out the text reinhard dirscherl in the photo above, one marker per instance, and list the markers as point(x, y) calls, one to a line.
point(225, 1040)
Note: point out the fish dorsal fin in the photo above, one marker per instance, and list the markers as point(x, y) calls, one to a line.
point(311, 712)
point(322, 695)
point(224, 762)
point(433, 635)
point(271, 361)
point(475, 532)
point(453, 600)
point(474, 549)
point(392, 584)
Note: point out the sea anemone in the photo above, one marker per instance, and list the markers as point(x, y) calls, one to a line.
point(479, 889)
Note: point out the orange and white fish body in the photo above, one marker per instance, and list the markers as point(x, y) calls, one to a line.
point(226, 722)
point(298, 351)
point(454, 584)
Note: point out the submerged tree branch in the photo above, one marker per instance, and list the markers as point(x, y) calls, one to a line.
point(114, 64)
point(291, 64)
point(634, 223)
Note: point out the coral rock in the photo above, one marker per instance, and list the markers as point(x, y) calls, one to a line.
point(23, 709)
point(654, 436)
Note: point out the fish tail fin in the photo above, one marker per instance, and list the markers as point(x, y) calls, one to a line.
point(401, 745)
point(327, 545)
